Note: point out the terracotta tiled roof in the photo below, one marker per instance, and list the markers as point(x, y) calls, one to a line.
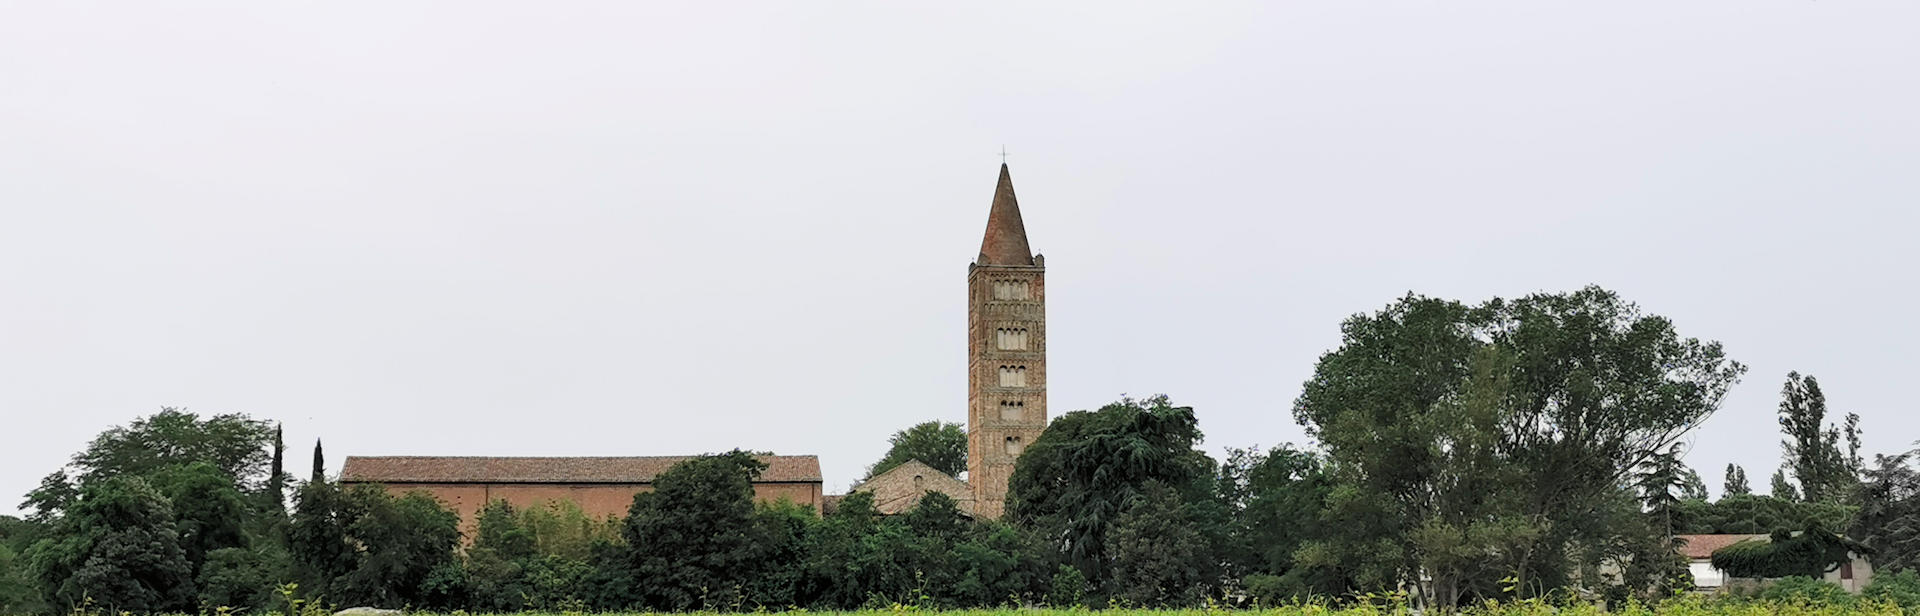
point(1006, 240)
point(629, 469)
point(1701, 547)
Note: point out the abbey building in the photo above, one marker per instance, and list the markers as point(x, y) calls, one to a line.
point(1006, 412)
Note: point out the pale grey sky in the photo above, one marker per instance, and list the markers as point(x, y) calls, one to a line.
point(630, 228)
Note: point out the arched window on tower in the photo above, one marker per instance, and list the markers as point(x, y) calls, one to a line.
point(1013, 376)
point(1013, 410)
point(1015, 446)
point(1011, 338)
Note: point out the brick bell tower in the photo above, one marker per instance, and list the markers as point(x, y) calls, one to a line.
point(1006, 352)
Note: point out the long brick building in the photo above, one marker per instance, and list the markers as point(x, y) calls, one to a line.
point(602, 486)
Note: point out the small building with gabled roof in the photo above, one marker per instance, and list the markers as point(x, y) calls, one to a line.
point(900, 488)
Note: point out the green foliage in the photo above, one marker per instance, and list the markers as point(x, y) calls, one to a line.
point(1158, 558)
point(234, 444)
point(1748, 514)
point(1900, 588)
point(242, 578)
point(1812, 450)
point(1735, 483)
point(1549, 400)
point(1088, 468)
point(1067, 588)
point(1889, 517)
point(1810, 553)
point(694, 541)
point(209, 511)
point(1804, 589)
point(363, 546)
point(1779, 487)
point(1280, 511)
point(939, 444)
point(116, 546)
point(17, 595)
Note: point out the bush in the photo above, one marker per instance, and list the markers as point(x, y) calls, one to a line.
point(1806, 589)
point(1902, 589)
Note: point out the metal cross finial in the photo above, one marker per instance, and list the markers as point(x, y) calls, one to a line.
point(1003, 155)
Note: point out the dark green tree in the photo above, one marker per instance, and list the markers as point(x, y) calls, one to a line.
point(939, 444)
point(17, 593)
point(1735, 483)
point(276, 496)
point(317, 539)
point(117, 546)
point(404, 544)
point(1661, 481)
point(1781, 488)
point(209, 512)
point(692, 540)
point(1573, 392)
point(1285, 497)
point(235, 444)
point(1089, 467)
point(1158, 557)
point(1889, 518)
point(319, 464)
point(363, 546)
point(1751, 514)
point(1823, 458)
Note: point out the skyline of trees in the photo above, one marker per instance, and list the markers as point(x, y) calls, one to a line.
point(1498, 450)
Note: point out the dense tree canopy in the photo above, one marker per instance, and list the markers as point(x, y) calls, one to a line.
point(117, 547)
point(939, 444)
point(1090, 467)
point(1545, 404)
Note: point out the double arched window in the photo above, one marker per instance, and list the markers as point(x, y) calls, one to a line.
point(1013, 376)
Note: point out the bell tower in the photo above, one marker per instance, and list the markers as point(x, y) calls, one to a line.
point(1006, 351)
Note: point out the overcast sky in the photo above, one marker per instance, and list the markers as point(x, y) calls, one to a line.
point(642, 228)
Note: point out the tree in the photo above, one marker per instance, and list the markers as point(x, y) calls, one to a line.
point(363, 546)
point(1752, 514)
point(939, 444)
point(209, 512)
point(692, 540)
point(1570, 392)
point(319, 463)
point(1889, 518)
point(276, 496)
point(1089, 467)
point(317, 536)
point(117, 547)
point(1782, 488)
point(1812, 449)
point(405, 542)
point(1279, 511)
point(234, 444)
point(1735, 482)
point(1158, 558)
point(1659, 481)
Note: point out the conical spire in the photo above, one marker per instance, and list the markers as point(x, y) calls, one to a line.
point(1006, 240)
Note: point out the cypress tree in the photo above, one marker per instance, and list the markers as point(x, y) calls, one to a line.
point(319, 463)
point(277, 475)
